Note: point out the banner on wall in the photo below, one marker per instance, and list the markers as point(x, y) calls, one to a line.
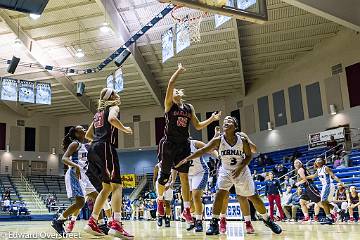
point(233, 211)
point(128, 180)
point(9, 89)
point(26, 91)
point(167, 40)
point(43, 93)
point(182, 35)
point(320, 139)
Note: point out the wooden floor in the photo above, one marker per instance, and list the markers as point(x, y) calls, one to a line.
point(149, 231)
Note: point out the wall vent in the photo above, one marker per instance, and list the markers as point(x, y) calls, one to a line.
point(336, 69)
point(20, 123)
point(136, 118)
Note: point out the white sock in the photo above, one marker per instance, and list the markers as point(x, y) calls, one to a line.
point(96, 217)
point(186, 204)
point(73, 218)
point(215, 216)
point(198, 217)
point(61, 217)
point(101, 221)
point(265, 216)
point(247, 218)
point(117, 216)
point(222, 215)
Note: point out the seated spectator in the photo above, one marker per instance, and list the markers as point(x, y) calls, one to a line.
point(14, 208)
point(292, 203)
point(6, 205)
point(7, 194)
point(337, 161)
point(257, 177)
point(341, 201)
point(261, 160)
point(288, 182)
point(23, 208)
point(353, 201)
point(268, 160)
point(263, 173)
point(331, 143)
point(344, 160)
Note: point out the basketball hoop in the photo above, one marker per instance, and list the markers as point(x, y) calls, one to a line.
point(194, 18)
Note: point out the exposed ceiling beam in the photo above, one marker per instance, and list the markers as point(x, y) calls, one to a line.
point(36, 52)
point(123, 33)
point(345, 13)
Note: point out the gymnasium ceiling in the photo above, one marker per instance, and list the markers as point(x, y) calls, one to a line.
point(213, 66)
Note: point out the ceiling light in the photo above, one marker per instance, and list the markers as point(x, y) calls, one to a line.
point(79, 53)
point(34, 16)
point(17, 42)
point(20, 156)
point(269, 126)
point(140, 149)
point(105, 28)
point(39, 157)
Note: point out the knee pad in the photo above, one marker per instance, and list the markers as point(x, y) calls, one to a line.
point(163, 178)
point(107, 205)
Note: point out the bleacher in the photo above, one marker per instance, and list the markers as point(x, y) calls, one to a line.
point(46, 185)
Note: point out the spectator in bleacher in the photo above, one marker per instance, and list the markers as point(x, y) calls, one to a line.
point(279, 170)
point(296, 154)
point(273, 192)
point(353, 201)
point(288, 182)
point(257, 177)
point(263, 173)
point(6, 205)
point(341, 200)
point(23, 208)
point(292, 203)
point(331, 143)
point(7, 194)
point(344, 160)
point(268, 160)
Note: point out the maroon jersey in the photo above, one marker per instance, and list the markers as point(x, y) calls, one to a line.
point(177, 123)
point(103, 130)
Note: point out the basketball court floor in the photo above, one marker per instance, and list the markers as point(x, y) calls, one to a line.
point(149, 231)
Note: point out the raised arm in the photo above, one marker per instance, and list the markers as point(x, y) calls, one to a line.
point(170, 88)
point(252, 145)
point(199, 144)
point(90, 132)
point(115, 122)
point(200, 125)
point(214, 143)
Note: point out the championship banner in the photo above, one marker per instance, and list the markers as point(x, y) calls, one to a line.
point(320, 139)
point(119, 81)
point(9, 89)
point(233, 211)
point(128, 180)
point(182, 35)
point(167, 40)
point(220, 19)
point(26, 91)
point(43, 93)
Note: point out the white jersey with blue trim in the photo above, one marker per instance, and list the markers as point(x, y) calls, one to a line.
point(231, 156)
point(80, 156)
point(324, 177)
point(197, 165)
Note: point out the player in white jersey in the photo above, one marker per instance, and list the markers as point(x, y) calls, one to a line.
point(326, 177)
point(77, 183)
point(235, 154)
point(198, 178)
point(168, 195)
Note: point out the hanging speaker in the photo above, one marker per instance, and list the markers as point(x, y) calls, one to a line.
point(13, 65)
point(80, 88)
point(122, 58)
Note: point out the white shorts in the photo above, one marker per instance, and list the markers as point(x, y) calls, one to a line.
point(327, 192)
point(77, 187)
point(244, 183)
point(198, 181)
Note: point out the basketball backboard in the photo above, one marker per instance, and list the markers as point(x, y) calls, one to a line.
point(247, 10)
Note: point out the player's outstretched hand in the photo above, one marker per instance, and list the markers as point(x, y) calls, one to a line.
point(216, 116)
point(181, 68)
point(128, 130)
point(182, 162)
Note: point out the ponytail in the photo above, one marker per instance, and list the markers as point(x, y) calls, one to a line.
point(69, 138)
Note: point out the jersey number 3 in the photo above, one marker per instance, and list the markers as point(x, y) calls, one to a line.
point(182, 122)
point(99, 120)
point(233, 161)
